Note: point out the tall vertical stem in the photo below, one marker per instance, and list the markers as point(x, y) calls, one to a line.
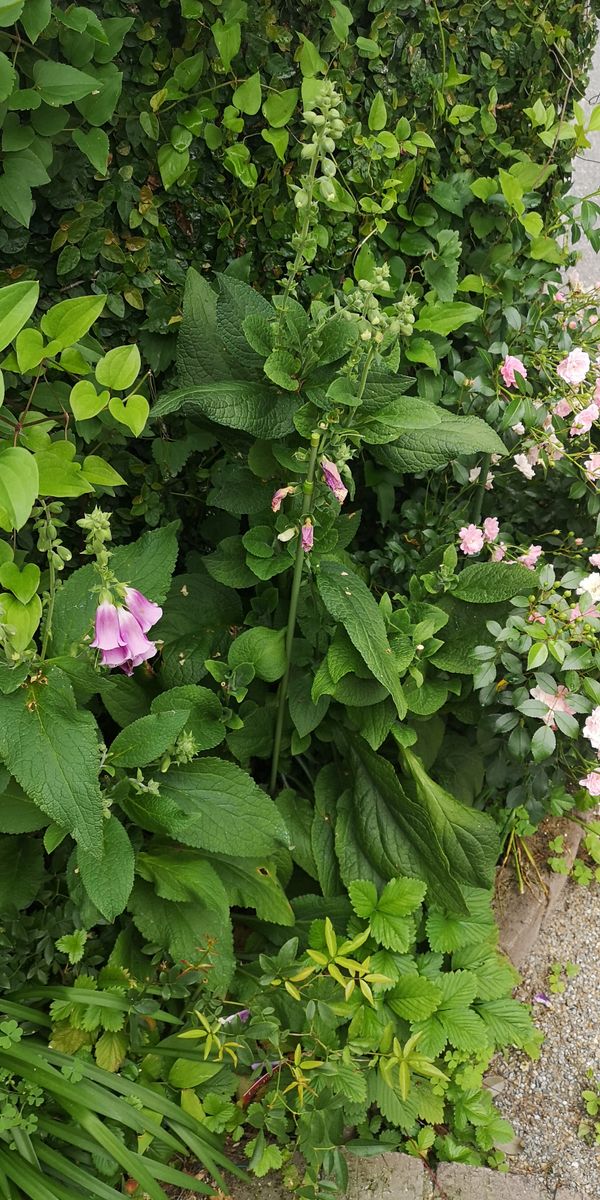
point(293, 609)
point(478, 497)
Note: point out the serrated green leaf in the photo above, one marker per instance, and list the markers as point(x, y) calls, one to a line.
point(108, 881)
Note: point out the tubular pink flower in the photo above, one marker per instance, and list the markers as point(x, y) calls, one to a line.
point(491, 529)
point(471, 539)
point(574, 368)
point(134, 639)
point(333, 480)
point(279, 496)
point(511, 367)
point(145, 611)
point(108, 635)
point(308, 536)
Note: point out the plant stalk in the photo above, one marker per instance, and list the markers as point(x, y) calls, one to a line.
point(478, 497)
point(293, 609)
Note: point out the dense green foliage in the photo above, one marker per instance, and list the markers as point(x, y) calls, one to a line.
point(283, 345)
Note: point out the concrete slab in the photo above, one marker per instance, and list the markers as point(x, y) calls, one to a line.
point(388, 1177)
point(456, 1182)
point(586, 177)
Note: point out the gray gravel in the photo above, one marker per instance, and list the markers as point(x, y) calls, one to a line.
point(542, 1099)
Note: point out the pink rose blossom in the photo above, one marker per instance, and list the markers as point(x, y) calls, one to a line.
point(499, 552)
point(575, 614)
point(591, 729)
point(593, 319)
point(333, 480)
point(554, 701)
point(308, 536)
point(524, 466)
point(563, 408)
point(574, 368)
point(591, 783)
point(596, 396)
point(530, 558)
point(491, 529)
point(533, 455)
point(572, 324)
point(584, 420)
point(518, 428)
point(594, 560)
point(471, 539)
point(279, 496)
point(510, 367)
point(145, 611)
point(592, 467)
point(560, 297)
point(536, 618)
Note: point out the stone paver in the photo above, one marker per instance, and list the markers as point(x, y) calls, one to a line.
point(478, 1183)
point(586, 177)
point(388, 1177)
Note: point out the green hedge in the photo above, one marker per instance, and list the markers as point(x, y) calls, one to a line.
point(134, 143)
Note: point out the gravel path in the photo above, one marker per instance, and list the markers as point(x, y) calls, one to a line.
point(542, 1099)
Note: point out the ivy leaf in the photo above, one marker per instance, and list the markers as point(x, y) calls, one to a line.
point(94, 144)
point(8, 77)
point(350, 602)
point(228, 39)
point(35, 18)
point(17, 302)
point(377, 113)
point(279, 106)
point(247, 97)
point(65, 323)
point(19, 486)
point(58, 83)
point(171, 163)
point(108, 881)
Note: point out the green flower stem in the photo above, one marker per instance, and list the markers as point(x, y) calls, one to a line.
point(478, 498)
point(308, 488)
point(50, 608)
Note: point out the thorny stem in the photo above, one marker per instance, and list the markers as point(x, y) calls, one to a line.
point(293, 609)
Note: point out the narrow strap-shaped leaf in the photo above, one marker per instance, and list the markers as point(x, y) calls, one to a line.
point(29, 1180)
point(69, 1171)
point(134, 1165)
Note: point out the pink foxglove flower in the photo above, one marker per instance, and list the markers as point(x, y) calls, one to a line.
point(308, 536)
point(563, 408)
point(144, 610)
point(499, 552)
point(108, 636)
point(591, 783)
point(591, 729)
point(279, 496)
point(510, 367)
point(583, 421)
point(491, 529)
point(574, 368)
point(530, 558)
point(471, 539)
point(333, 480)
point(554, 701)
point(592, 467)
point(524, 466)
point(138, 648)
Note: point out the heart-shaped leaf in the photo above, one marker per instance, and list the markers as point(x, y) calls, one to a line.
point(132, 412)
point(29, 346)
point(85, 401)
point(94, 144)
point(22, 620)
point(23, 584)
point(19, 482)
point(119, 368)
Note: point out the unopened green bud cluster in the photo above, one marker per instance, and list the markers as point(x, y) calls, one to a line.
point(379, 324)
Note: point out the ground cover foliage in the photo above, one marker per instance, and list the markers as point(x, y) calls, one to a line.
point(299, 535)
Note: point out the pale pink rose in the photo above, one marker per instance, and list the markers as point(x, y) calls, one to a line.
point(591, 783)
point(279, 496)
point(471, 539)
point(592, 467)
point(572, 324)
point(530, 558)
point(563, 408)
point(560, 297)
point(594, 559)
point(533, 455)
point(574, 368)
point(576, 614)
point(590, 586)
point(308, 535)
point(491, 529)
point(495, 459)
point(596, 396)
point(548, 426)
point(518, 428)
point(536, 618)
point(498, 552)
point(554, 701)
point(584, 420)
point(474, 474)
point(591, 729)
point(554, 448)
point(524, 466)
point(510, 367)
point(593, 320)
